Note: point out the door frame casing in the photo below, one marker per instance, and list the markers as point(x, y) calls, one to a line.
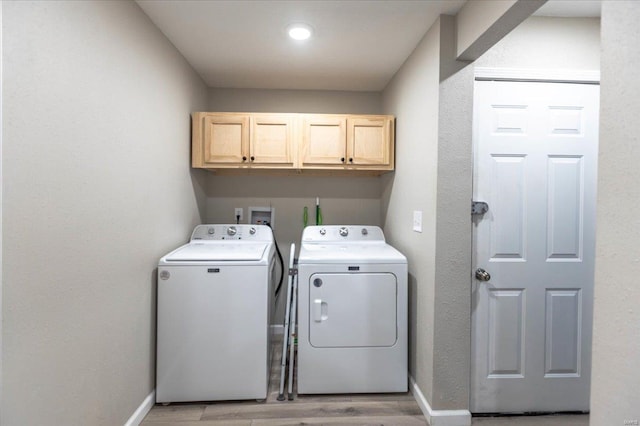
point(515, 75)
point(541, 75)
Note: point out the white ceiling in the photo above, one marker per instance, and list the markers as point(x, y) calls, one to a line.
point(357, 44)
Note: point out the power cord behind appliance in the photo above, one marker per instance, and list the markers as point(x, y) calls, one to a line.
point(280, 260)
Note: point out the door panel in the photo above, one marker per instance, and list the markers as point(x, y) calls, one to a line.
point(352, 310)
point(565, 200)
point(508, 236)
point(535, 165)
point(506, 333)
point(563, 330)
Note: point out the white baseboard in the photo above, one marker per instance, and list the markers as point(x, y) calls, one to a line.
point(144, 408)
point(439, 417)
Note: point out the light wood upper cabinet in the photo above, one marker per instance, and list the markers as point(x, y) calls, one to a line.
point(239, 140)
point(369, 141)
point(220, 139)
point(323, 140)
point(304, 142)
point(351, 142)
point(272, 140)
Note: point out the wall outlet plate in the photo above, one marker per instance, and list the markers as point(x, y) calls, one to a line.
point(417, 220)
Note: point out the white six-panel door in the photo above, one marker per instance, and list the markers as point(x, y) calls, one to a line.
point(535, 165)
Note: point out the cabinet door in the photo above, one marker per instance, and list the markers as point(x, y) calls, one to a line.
point(370, 141)
point(272, 140)
point(225, 139)
point(324, 140)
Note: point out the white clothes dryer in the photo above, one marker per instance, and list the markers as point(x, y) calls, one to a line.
point(352, 308)
point(215, 299)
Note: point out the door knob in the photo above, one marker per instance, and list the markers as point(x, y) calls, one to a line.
point(482, 275)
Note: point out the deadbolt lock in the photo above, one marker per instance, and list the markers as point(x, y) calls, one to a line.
point(478, 208)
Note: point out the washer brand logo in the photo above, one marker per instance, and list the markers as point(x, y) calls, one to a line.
point(354, 268)
point(164, 275)
point(213, 270)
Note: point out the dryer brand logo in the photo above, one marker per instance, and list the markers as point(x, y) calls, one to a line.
point(213, 270)
point(164, 275)
point(354, 268)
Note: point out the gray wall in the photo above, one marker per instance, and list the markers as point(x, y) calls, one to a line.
point(97, 186)
point(344, 200)
point(616, 340)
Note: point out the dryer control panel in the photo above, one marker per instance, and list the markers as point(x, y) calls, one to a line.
point(342, 233)
point(232, 232)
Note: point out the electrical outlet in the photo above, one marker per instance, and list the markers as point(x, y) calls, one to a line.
point(417, 220)
point(238, 213)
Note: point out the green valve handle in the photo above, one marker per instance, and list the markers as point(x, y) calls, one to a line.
point(305, 216)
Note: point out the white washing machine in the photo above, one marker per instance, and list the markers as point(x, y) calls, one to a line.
point(215, 299)
point(352, 312)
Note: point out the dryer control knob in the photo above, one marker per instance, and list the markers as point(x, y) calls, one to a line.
point(364, 231)
point(323, 231)
point(252, 231)
point(232, 230)
point(344, 232)
point(211, 231)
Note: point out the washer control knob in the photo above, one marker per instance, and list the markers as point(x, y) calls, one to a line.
point(344, 232)
point(323, 231)
point(364, 231)
point(211, 231)
point(232, 230)
point(252, 231)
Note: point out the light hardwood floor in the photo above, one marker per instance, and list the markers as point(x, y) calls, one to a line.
point(349, 410)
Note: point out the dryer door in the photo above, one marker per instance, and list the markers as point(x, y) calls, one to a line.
point(352, 310)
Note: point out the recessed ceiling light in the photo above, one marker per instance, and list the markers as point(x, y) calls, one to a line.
point(299, 31)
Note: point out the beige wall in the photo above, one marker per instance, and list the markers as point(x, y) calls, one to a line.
point(452, 308)
point(616, 339)
point(344, 200)
point(575, 45)
point(1, 117)
point(97, 186)
point(412, 96)
point(300, 101)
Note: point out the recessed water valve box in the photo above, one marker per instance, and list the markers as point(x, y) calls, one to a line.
point(262, 215)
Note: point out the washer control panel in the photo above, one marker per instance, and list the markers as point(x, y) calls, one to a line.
point(232, 232)
point(342, 233)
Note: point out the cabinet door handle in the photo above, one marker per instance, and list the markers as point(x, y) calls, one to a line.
point(253, 158)
point(351, 160)
point(342, 159)
point(244, 158)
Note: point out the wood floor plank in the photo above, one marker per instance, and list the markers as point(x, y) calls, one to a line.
point(175, 412)
point(311, 410)
point(199, 423)
point(555, 420)
point(347, 421)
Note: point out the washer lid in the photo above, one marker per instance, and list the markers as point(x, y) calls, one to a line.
point(225, 251)
point(374, 252)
